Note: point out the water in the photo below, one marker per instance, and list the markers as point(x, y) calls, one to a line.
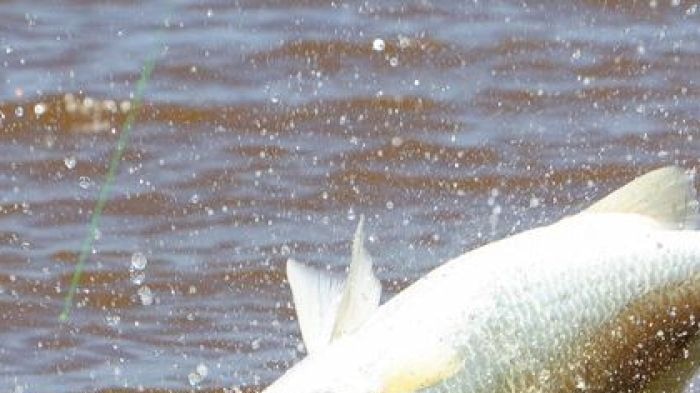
point(268, 128)
point(138, 261)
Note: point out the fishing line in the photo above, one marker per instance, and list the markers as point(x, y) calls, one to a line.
point(126, 129)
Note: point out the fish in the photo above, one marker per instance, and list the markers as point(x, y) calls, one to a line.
point(605, 300)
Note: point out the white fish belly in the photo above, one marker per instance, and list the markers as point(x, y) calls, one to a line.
point(596, 304)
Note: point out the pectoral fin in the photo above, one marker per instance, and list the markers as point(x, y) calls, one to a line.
point(362, 290)
point(316, 295)
point(328, 306)
point(666, 195)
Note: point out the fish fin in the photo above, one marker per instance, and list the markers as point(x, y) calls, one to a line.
point(666, 195)
point(362, 291)
point(316, 295)
point(328, 306)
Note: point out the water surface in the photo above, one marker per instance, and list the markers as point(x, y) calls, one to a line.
point(268, 128)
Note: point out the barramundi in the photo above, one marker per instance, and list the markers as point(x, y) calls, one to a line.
point(606, 300)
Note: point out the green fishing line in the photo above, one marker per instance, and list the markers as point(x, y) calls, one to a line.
point(107, 186)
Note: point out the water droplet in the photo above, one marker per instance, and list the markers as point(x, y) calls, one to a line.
point(202, 370)
point(285, 250)
point(496, 210)
point(145, 295)
point(125, 106)
point(112, 320)
point(389, 205)
point(70, 162)
point(396, 141)
point(19, 111)
point(394, 62)
point(194, 199)
point(137, 276)
point(404, 42)
point(378, 45)
point(194, 378)
point(138, 261)
point(84, 182)
point(39, 109)
point(255, 344)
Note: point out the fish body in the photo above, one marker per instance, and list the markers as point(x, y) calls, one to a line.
point(602, 301)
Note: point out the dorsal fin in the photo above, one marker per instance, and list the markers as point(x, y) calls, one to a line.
point(362, 290)
point(666, 195)
point(328, 306)
point(316, 295)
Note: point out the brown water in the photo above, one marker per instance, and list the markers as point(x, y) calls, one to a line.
point(269, 127)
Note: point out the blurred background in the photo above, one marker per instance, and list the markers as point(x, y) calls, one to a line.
point(268, 128)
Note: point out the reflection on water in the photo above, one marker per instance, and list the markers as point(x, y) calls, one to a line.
point(267, 129)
